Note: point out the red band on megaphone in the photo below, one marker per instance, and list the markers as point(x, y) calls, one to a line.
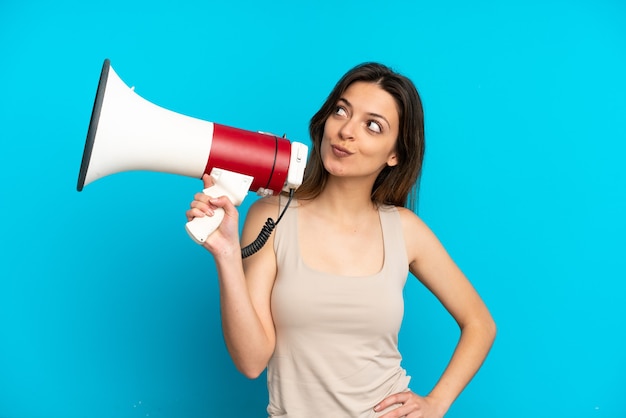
point(264, 157)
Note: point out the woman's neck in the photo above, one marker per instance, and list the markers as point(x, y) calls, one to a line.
point(345, 198)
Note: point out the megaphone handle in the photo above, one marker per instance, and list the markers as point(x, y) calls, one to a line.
point(199, 229)
point(226, 183)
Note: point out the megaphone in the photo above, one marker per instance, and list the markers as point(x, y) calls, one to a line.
point(127, 133)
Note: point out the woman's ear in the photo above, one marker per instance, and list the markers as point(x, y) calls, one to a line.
point(392, 160)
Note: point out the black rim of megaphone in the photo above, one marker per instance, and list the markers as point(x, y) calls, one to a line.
point(93, 124)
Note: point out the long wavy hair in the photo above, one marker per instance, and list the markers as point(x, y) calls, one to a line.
point(397, 185)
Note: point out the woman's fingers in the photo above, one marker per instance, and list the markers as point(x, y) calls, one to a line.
point(207, 180)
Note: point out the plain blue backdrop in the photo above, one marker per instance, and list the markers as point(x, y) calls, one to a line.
point(108, 309)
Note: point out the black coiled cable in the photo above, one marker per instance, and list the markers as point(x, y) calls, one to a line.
point(266, 231)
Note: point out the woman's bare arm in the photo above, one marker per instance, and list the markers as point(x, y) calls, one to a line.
point(432, 265)
point(245, 285)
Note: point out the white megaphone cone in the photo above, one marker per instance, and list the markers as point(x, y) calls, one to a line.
point(127, 133)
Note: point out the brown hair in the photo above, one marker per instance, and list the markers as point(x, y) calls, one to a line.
point(395, 184)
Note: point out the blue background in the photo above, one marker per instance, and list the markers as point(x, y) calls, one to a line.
point(108, 309)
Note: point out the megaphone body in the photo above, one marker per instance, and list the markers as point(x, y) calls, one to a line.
point(128, 133)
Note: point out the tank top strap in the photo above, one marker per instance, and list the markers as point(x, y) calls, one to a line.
point(286, 232)
point(394, 244)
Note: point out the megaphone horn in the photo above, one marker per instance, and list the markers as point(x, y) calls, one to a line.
point(127, 133)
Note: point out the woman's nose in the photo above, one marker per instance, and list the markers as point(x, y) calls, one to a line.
point(346, 130)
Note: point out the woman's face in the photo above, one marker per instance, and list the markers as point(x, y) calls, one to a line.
point(360, 136)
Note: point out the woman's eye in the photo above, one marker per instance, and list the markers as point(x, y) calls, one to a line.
point(374, 126)
point(340, 111)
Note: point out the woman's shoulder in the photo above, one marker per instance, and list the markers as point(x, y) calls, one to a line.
point(415, 229)
point(411, 223)
point(273, 200)
point(407, 216)
point(264, 206)
point(270, 205)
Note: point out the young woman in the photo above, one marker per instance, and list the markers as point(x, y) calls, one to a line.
point(320, 305)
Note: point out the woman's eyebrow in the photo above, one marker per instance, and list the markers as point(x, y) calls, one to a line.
point(341, 99)
point(376, 115)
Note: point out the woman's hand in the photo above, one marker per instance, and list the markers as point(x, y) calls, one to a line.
point(225, 239)
point(411, 406)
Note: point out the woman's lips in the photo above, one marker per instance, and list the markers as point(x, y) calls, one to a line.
point(340, 151)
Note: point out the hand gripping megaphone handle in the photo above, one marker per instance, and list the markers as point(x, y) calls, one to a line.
point(199, 229)
point(233, 185)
